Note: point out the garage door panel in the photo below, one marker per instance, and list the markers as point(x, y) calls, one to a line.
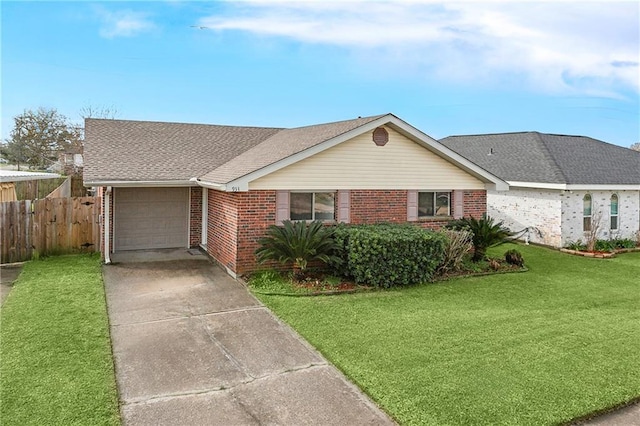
point(149, 218)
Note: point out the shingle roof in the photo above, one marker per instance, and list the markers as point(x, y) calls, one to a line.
point(122, 150)
point(548, 158)
point(280, 146)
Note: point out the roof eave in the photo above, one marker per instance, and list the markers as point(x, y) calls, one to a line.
point(139, 183)
point(575, 187)
point(604, 187)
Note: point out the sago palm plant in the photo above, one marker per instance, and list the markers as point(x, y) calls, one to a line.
point(297, 243)
point(485, 232)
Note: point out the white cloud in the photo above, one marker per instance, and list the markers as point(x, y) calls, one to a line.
point(552, 46)
point(124, 23)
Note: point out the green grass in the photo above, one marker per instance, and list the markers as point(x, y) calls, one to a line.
point(55, 355)
point(541, 347)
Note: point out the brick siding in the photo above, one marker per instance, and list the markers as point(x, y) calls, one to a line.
point(256, 212)
point(249, 214)
point(101, 193)
point(375, 206)
point(222, 220)
point(475, 203)
point(195, 217)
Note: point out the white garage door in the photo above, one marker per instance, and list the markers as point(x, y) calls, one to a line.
point(150, 218)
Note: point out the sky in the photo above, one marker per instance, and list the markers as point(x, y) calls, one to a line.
point(446, 68)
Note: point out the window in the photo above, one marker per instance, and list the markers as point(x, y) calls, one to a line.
point(434, 204)
point(312, 205)
point(586, 213)
point(614, 212)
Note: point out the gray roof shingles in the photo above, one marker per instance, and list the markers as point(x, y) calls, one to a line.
point(549, 158)
point(122, 150)
point(119, 150)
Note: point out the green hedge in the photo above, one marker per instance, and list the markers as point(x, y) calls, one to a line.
point(387, 255)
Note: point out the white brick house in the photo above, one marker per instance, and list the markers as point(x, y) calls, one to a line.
point(559, 185)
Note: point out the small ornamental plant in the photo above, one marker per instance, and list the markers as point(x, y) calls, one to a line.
point(486, 233)
point(514, 257)
point(297, 243)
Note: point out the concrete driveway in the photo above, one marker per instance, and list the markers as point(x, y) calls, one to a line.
point(193, 346)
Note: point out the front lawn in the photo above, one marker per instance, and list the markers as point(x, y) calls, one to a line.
point(541, 347)
point(55, 352)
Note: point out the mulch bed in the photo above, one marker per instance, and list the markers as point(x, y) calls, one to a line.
point(598, 254)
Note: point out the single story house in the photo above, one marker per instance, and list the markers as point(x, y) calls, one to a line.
point(220, 187)
point(560, 185)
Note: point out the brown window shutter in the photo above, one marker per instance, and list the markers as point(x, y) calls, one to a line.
point(282, 206)
point(344, 206)
point(458, 204)
point(412, 205)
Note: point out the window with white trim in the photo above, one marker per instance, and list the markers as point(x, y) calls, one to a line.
point(614, 212)
point(432, 204)
point(586, 213)
point(312, 206)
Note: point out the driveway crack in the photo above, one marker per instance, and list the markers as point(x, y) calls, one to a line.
point(223, 348)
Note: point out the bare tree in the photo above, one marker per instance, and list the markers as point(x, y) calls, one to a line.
point(93, 111)
point(635, 146)
point(102, 111)
point(594, 230)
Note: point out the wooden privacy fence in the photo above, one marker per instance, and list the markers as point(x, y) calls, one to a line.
point(48, 226)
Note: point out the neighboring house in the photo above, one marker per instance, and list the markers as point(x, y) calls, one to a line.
point(220, 187)
point(70, 162)
point(8, 179)
point(561, 185)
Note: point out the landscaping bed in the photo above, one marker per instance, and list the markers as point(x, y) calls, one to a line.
point(319, 283)
point(599, 254)
point(602, 249)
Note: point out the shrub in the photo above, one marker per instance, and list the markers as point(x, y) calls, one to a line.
point(457, 245)
point(576, 245)
point(386, 255)
point(297, 243)
point(604, 245)
point(485, 232)
point(514, 257)
point(621, 243)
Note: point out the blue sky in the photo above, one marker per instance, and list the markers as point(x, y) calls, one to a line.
point(446, 68)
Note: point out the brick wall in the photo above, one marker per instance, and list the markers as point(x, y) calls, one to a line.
point(101, 193)
point(520, 208)
point(256, 212)
point(628, 214)
point(475, 203)
point(375, 206)
point(195, 216)
point(222, 222)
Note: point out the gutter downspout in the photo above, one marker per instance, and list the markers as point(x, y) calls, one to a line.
point(107, 236)
point(218, 187)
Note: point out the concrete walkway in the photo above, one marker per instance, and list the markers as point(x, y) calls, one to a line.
point(193, 346)
point(626, 416)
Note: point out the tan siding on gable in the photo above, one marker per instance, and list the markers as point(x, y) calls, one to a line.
point(360, 164)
